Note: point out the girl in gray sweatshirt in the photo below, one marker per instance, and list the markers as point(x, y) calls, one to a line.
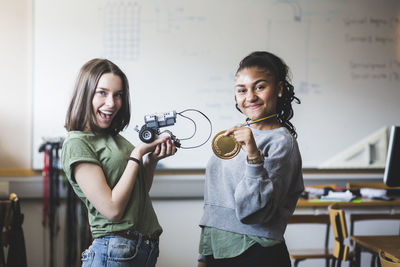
point(249, 198)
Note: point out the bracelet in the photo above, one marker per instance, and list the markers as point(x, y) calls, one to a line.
point(135, 160)
point(258, 160)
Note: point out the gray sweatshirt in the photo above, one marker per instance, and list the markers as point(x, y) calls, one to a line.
point(255, 199)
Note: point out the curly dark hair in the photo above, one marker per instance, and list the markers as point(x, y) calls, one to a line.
point(269, 61)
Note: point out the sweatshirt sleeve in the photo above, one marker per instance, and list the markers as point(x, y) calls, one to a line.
point(264, 186)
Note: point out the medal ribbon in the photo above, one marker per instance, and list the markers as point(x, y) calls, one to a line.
point(259, 120)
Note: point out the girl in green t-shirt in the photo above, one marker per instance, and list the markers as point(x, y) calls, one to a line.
point(110, 175)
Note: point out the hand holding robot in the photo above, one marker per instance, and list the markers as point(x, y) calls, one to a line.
point(151, 129)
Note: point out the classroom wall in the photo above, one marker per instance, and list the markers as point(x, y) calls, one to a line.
point(15, 85)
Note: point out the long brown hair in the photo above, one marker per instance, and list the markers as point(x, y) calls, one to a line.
point(80, 113)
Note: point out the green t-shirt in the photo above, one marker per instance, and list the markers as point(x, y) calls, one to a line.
point(111, 153)
point(224, 244)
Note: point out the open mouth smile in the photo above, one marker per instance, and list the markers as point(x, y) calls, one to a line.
point(106, 115)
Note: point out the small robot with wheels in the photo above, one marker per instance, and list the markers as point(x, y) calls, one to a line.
point(152, 126)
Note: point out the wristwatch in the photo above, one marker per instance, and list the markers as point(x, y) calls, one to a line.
point(257, 160)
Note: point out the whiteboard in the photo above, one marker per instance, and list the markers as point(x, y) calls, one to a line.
point(344, 56)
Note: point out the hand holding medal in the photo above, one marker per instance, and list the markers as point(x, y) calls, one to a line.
point(225, 146)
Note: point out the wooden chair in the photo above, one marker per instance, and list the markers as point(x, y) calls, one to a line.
point(357, 217)
point(341, 252)
point(12, 238)
point(386, 261)
point(324, 252)
point(364, 217)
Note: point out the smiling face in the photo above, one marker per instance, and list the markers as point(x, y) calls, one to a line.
point(256, 92)
point(107, 100)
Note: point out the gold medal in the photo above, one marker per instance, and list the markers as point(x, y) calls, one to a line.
point(225, 147)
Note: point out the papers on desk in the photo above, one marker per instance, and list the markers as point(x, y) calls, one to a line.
point(372, 192)
point(314, 191)
point(338, 196)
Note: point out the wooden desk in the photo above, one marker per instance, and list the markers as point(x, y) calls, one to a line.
point(365, 202)
point(390, 244)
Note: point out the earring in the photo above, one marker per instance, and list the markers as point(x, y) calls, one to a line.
point(280, 95)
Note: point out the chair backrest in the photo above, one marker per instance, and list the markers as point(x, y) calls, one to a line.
point(387, 262)
point(322, 219)
point(12, 237)
point(6, 214)
point(339, 228)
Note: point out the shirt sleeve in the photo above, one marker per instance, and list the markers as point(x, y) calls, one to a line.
point(74, 151)
point(266, 185)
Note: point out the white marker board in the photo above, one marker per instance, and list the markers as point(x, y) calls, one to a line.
point(344, 58)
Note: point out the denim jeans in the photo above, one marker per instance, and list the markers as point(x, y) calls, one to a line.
point(116, 251)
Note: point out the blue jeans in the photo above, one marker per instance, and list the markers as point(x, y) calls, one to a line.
point(116, 251)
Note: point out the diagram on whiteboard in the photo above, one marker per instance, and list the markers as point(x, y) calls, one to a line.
point(122, 30)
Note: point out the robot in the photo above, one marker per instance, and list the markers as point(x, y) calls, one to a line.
point(152, 126)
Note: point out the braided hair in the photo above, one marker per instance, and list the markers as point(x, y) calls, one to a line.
point(269, 61)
